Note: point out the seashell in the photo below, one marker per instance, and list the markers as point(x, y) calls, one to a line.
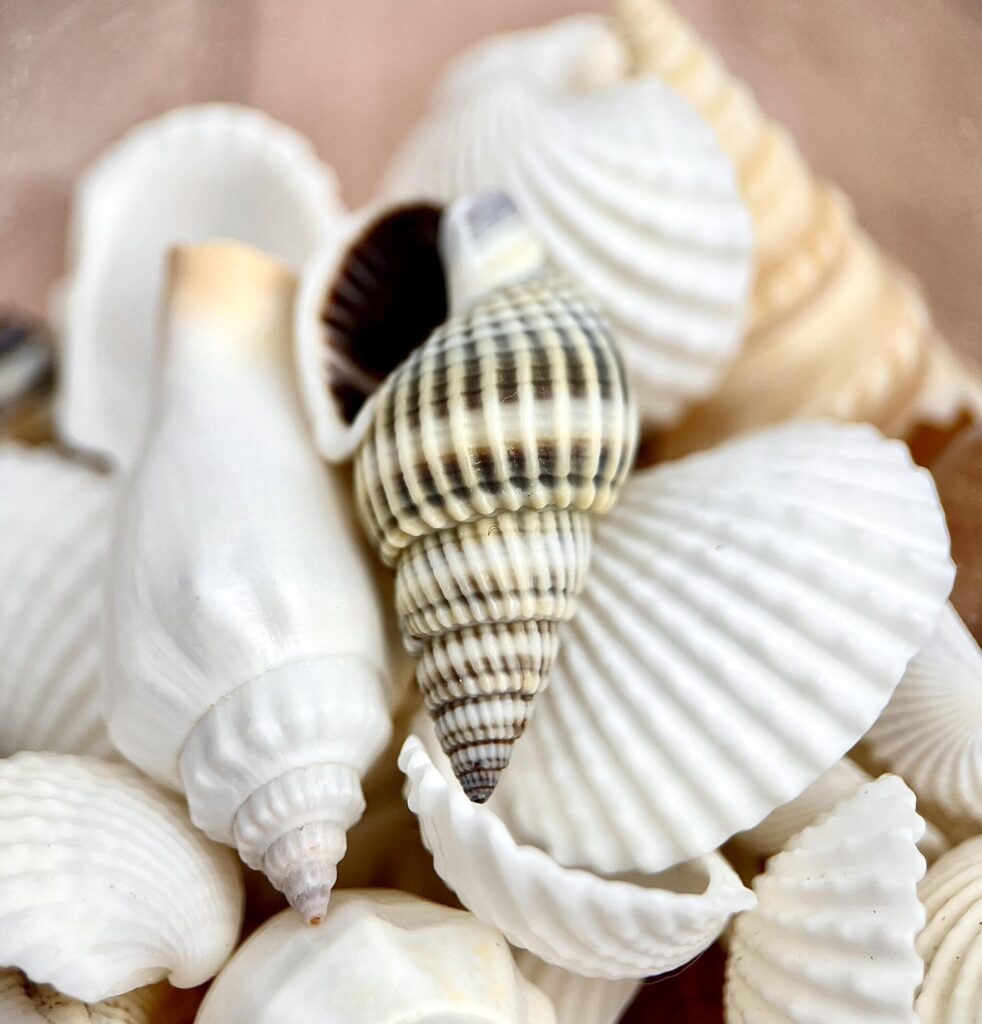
point(483, 457)
point(749, 612)
point(26, 374)
point(380, 957)
point(625, 185)
point(23, 1002)
point(104, 885)
point(832, 935)
point(200, 172)
point(54, 538)
point(600, 927)
point(246, 655)
point(835, 330)
point(576, 999)
point(951, 941)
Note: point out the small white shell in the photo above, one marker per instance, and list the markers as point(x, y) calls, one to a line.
point(54, 536)
point(599, 927)
point(575, 998)
point(749, 612)
point(214, 171)
point(625, 185)
point(378, 957)
point(832, 935)
point(104, 884)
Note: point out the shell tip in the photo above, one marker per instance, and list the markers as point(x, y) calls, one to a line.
point(478, 776)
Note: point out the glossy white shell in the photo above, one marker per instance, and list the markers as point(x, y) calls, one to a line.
point(624, 184)
point(575, 998)
point(604, 928)
point(379, 957)
point(832, 935)
point(104, 884)
point(213, 171)
point(748, 613)
point(54, 536)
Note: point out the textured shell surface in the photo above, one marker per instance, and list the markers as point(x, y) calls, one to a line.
point(749, 612)
point(575, 998)
point(246, 655)
point(211, 171)
point(104, 885)
point(600, 927)
point(55, 520)
point(379, 957)
point(832, 936)
point(625, 185)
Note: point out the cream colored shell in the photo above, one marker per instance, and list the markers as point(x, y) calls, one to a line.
point(575, 998)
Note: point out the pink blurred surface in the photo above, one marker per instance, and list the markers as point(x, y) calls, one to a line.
point(884, 98)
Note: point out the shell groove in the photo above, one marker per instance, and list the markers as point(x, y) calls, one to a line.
point(575, 998)
point(748, 613)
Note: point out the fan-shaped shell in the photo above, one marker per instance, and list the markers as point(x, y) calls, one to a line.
point(748, 613)
point(584, 923)
point(54, 537)
point(379, 957)
point(832, 935)
point(213, 171)
point(625, 185)
point(575, 998)
point(104, 884)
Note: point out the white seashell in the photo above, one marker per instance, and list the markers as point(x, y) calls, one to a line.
point(212, 171)
point(246, 650)
point(54, 536)
point(584, 923)
point(104, 884)
point(625, 185)
point(748, 613)
point(575, 998)
point(951, 942)
point(832, 935)
point(380, 957)
point(931, 731)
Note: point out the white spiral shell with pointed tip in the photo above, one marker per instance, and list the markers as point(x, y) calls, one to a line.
point(832, 936)
point(575, 998)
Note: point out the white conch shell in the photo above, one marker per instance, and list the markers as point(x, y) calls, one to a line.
point(749, 612)
point(246, 649)
point(212, 171)
point(379, 957)
point(832, 935)
point(575, 998)
point(599, 927)
point(55, 518)
point(104, 884)
point(625, 185)
point(931, 731)
point(951, 942)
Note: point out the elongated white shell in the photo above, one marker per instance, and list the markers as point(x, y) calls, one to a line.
point(246, 655)
point(931, 731)
point(599, 927)
point(575, 998)
point(104, 884)
point(380, 957)
point(749, 612)
point(54, 537)
point(832, 935)
point(213, 171)
point(625, 185)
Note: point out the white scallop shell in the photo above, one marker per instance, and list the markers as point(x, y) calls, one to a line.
point(587, 924)
point(625, 185)
point(748, 613)
point(575, 998)
point(832, 935)
point(54, 536)
point(379, 957)
point(212, 171)
point(951, 942)
point(104, 884)
point(931, 731)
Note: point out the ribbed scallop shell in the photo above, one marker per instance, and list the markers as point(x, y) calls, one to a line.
point(832, 935)
point(55, 519)
point(582, 922)
point(748, 613)
point(26, 373)
point(575, 998)
point(104, 884)
point(379, 957)
point(625, 186)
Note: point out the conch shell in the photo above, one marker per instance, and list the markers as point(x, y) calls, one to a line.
point(246, 658)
